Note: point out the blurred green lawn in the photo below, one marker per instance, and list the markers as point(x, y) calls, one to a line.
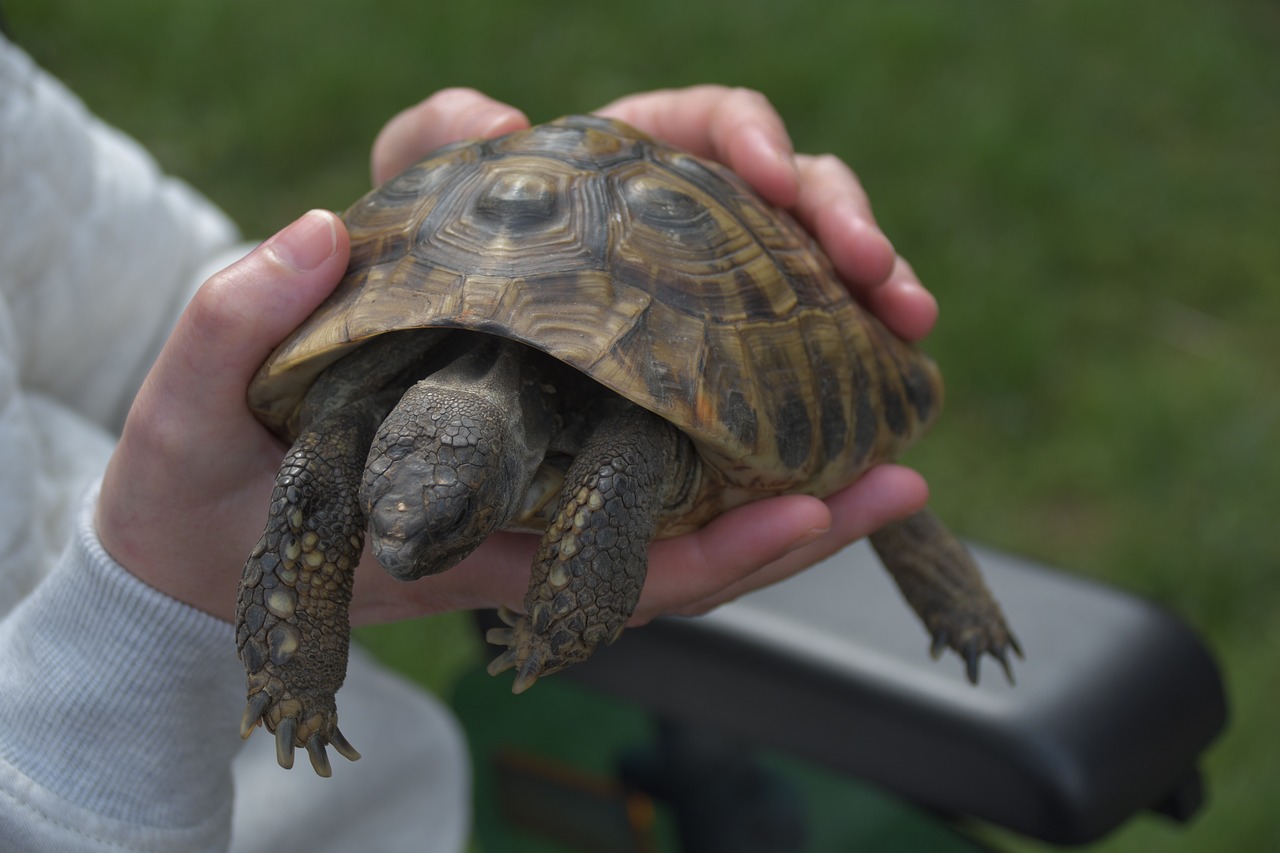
point(1092, 189)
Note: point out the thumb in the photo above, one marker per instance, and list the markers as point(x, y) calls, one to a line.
point(191, 450)
point(243, 312)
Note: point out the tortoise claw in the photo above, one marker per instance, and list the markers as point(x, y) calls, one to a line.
point(504, 637)
point(533, 653)
point(508, 616)
point(526, 652)
point(528, 674)
point(285, 733)
point(343, 746)
point(528, 671)
point(258, 711)
point(319, 758)
point(973, 650)
point(253, 712)
point(1002, 654)
point(972, 653)
point(941, 641)
point(503, 662)
point(500, 636)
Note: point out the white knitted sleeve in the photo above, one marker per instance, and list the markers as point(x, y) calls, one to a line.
point(118, 711)
point(99, 250)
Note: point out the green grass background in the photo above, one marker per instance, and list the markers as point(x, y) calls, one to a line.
point(1091, 188)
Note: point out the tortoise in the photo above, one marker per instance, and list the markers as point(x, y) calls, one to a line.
point(575, 330)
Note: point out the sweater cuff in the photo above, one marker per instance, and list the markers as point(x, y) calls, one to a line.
point(118, 700)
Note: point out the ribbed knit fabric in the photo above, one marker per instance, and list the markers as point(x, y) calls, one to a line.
point(109, 748)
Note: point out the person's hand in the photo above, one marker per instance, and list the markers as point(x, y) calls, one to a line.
point(741, 129)
point(185, 495)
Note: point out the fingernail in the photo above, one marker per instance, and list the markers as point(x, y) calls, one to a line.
point(868, 254)
point(307, 243)
point(808, 538)
point(857, 218)
point(500, 120)
point(782, 155)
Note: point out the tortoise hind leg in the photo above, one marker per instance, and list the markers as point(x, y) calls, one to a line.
point(590, 568)
point(942, 583)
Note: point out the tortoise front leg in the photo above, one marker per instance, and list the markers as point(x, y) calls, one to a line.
point(591, 564)
point(942, 583)
point(292, 628)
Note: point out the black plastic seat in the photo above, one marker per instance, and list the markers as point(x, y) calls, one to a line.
point(1114, 705)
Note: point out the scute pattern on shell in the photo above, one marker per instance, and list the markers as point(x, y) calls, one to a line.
point(660, 275)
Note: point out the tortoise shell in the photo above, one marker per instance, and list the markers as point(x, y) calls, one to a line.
point(660, 275)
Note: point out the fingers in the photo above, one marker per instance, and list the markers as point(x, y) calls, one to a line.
point(496, 574)
point(768, 541)
point(749, 548)
point(741, 129)
point(834, 208)
point(736, 127)
point(447, 116)
point(691, 568)
point(902, 303)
